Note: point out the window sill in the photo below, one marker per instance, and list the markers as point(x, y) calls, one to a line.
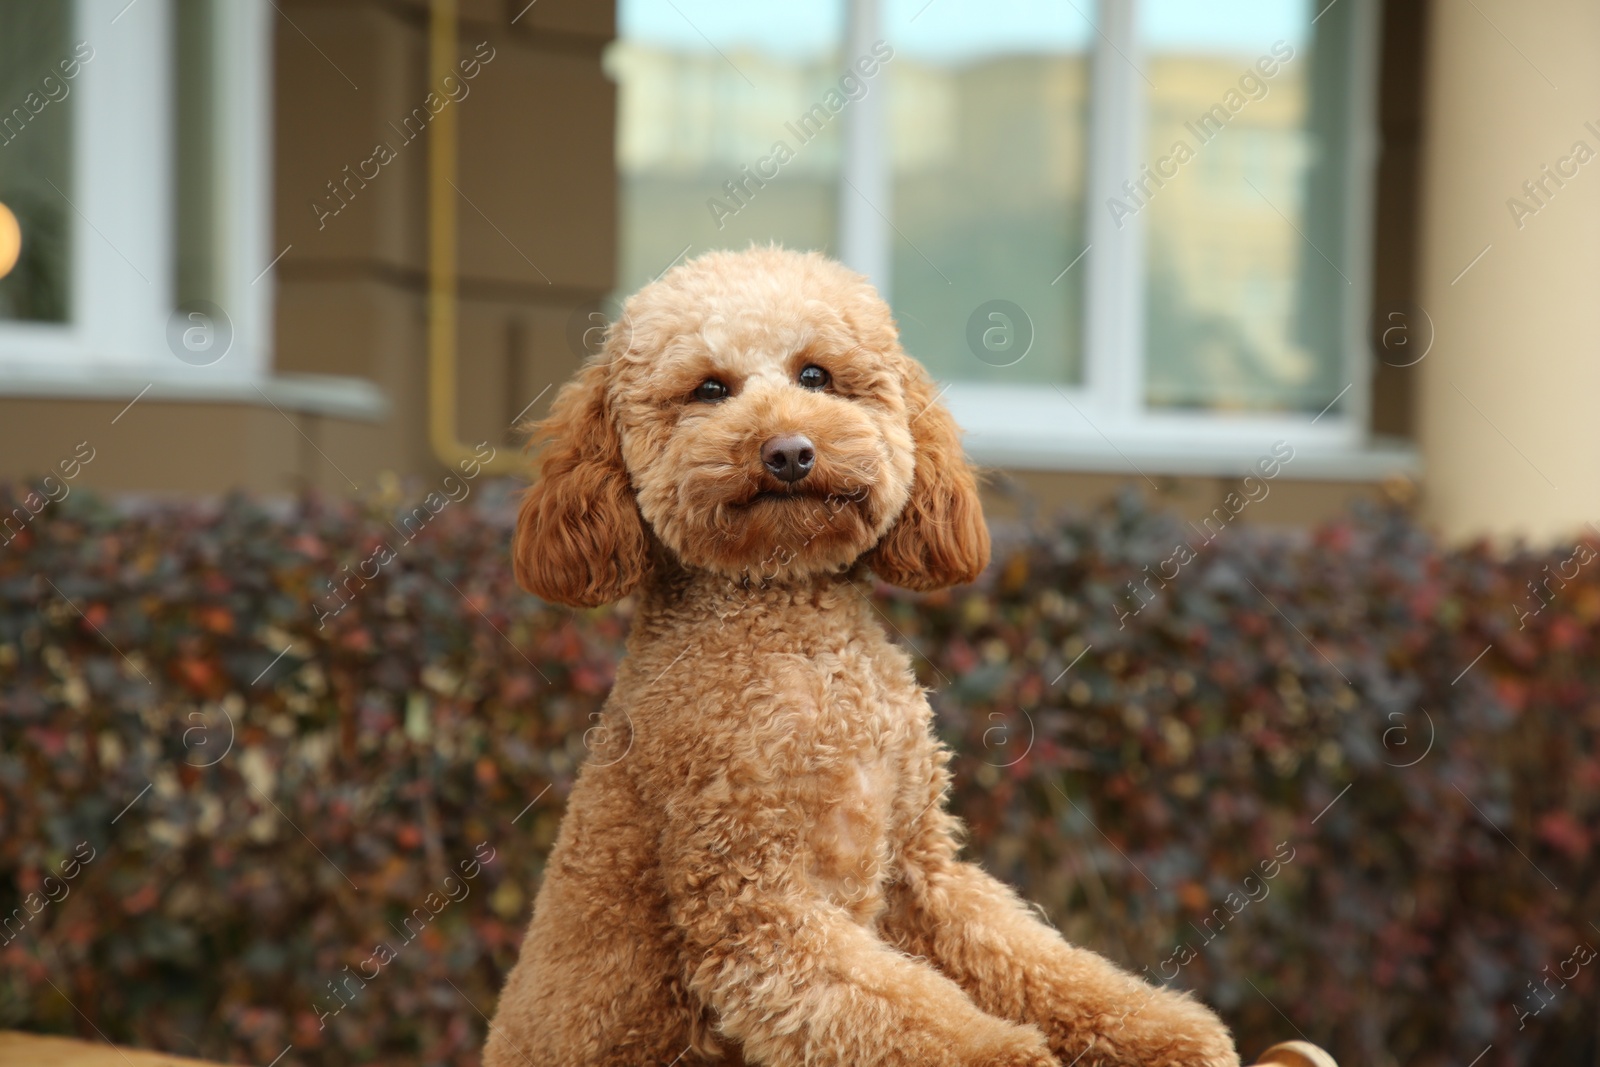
point(1381, 458)
point(309, 394)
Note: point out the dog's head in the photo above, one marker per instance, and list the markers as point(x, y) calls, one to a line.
point(755, 412)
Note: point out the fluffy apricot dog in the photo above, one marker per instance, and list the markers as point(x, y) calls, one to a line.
point(756, 866)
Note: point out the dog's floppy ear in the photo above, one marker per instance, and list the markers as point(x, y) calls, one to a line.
point(940, 538)
point(580, 539)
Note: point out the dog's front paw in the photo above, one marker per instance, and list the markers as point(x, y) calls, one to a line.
point(1167, 1030)
point(1021, 1058)
point(1014, 1046)
point(1202, 1040)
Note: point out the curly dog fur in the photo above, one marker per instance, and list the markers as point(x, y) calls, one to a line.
point(756, 866)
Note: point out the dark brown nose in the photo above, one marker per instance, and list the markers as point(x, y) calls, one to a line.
point(790, 457)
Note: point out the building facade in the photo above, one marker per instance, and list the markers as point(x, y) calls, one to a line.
point(330, 244)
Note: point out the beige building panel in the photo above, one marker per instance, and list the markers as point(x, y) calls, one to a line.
point(536, 165)
point(1302, 503)
point(514, 359)
point(324, 126)
point(589, 18)
point(156, 446)
point(1287, 502)
point(371, 328)
point(350, 456)
point(583, 18)
point(364, 327)
point(1508, 395)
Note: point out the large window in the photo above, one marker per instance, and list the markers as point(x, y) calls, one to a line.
point(1137, 226)
point(134, 223)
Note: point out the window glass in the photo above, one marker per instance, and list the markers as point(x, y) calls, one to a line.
point(987, 135)
point(724, 133)
point(36, 104)
point(1246, 272)
point(729, 130)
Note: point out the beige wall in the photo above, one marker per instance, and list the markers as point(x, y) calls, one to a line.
point(1509, 394)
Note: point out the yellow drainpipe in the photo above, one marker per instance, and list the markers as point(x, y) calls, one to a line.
point(442, 238)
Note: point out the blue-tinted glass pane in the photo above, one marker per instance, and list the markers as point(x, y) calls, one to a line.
point(718, 142)
point(988, 130)
point(1245, 203)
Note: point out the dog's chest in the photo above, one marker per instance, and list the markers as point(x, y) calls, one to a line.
point(847, 840)
point(857, 741)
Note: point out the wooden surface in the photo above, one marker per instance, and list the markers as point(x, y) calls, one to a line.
point(33, 1050)
point(1296, 1054)
point(36, 1050)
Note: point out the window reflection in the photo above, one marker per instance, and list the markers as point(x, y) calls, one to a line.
point(709, 90)
point(987, 131)
point(1245, 271)
point(36, 94)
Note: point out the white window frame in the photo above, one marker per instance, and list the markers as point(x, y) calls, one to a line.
point(1105, 423)
point(123, 235)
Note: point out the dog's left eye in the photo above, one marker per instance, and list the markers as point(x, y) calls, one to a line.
point(813, 377)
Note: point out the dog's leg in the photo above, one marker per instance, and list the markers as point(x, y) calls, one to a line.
point(597, 983)
point(793, 978)
point(977, 931)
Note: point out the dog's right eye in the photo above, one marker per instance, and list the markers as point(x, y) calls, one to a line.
point(710, 390)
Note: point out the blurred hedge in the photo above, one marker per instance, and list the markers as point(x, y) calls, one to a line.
point(1273, 784)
